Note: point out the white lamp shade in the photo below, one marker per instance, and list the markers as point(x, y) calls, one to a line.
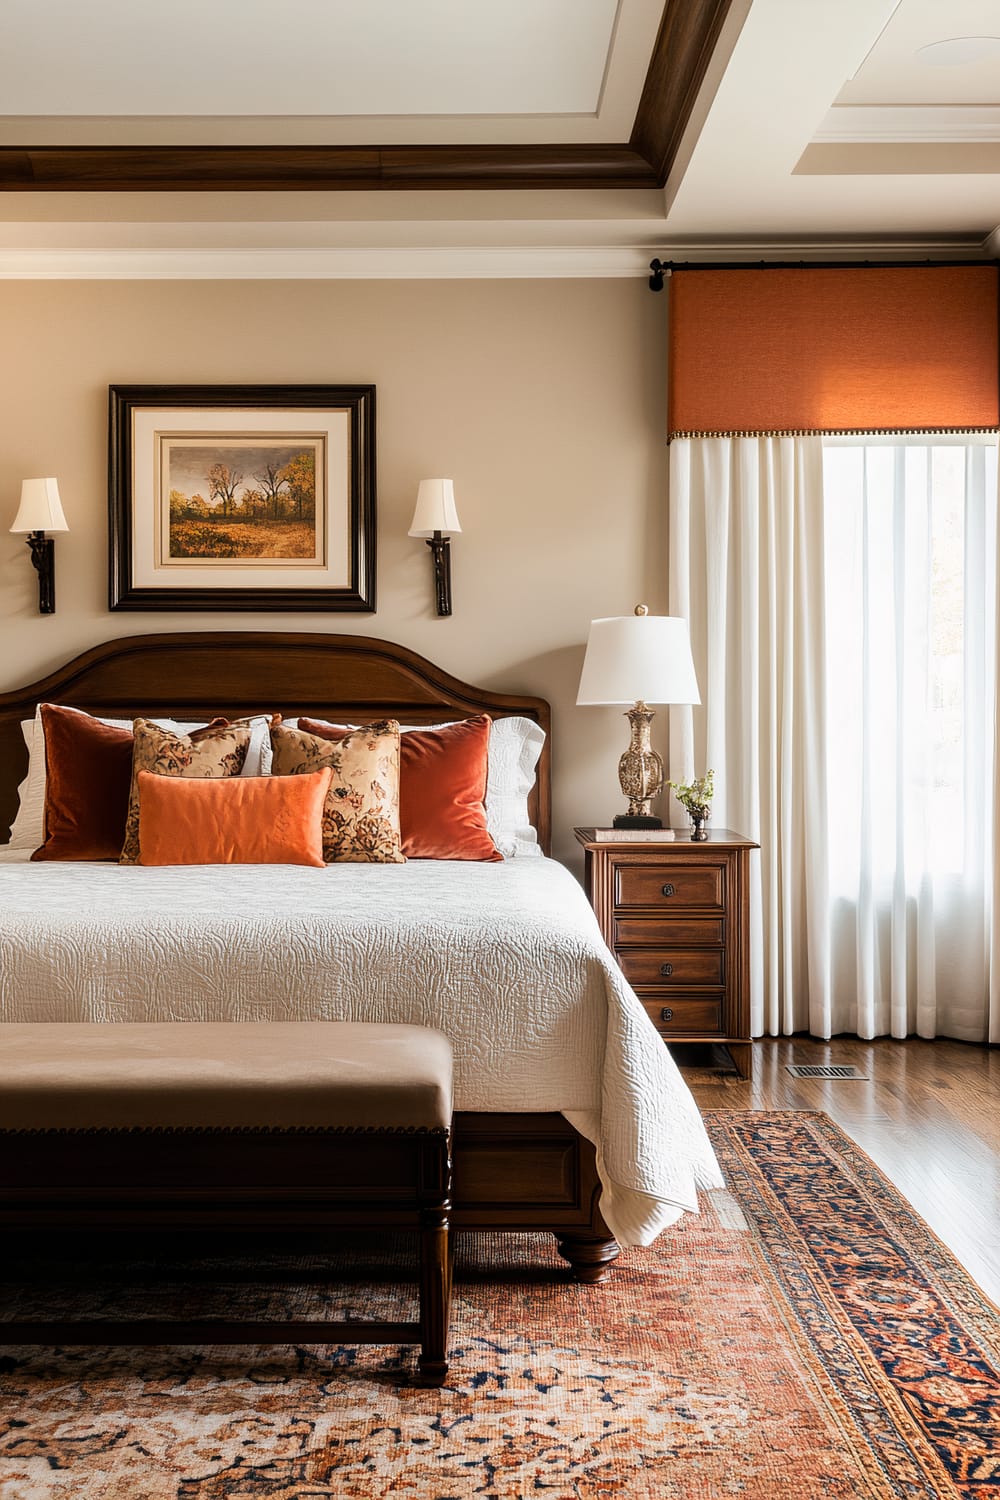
point(40, 508)
point(633, 658)
point(435, 510)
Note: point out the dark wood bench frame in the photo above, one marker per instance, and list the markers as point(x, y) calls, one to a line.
point(203, 1181)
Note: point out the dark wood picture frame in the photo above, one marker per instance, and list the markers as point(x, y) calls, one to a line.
point(128, 403)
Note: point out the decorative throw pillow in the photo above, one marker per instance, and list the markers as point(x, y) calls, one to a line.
point(515, 748)
point(88, 771)
point(442, 784)
point(28, 828)
point(361, 816)
point(260, 820)
point(220, 750)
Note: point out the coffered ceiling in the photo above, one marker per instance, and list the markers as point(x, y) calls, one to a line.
point(453, 137)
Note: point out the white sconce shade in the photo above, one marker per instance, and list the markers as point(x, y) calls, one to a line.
point(435, 509)
point(40, 508)
point(638, 659)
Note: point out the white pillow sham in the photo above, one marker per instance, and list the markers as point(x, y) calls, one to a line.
point(515, 746)
point(28, 828)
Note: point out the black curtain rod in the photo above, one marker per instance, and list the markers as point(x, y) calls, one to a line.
point(659, 268)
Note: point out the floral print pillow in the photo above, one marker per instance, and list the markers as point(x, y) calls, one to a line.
point(218, 750)
point(361, 814)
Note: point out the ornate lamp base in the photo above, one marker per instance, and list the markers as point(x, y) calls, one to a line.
point(640, 772)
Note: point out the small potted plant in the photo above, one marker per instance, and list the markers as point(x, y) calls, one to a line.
point(696, 798)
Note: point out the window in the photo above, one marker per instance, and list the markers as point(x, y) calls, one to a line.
point(910, 609)
point(911, 624)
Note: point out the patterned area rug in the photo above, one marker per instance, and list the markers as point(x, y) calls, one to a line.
point(804, 1337)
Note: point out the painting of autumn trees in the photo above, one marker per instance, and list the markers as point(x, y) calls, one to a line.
point(243, 500)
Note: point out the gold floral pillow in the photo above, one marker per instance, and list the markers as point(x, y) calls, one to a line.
point(218, 750)
point(361, 814)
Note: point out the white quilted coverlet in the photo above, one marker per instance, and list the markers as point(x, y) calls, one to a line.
point(507, 959)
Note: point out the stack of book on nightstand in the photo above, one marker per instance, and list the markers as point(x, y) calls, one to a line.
point(633, 835)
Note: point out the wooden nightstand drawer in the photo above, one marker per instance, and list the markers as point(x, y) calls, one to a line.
point(687, 932)
point(692, 1017)
point(669, 966)
point(669, 886)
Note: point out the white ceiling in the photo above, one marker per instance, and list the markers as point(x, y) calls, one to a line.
point(306, 57)
point(819, 130)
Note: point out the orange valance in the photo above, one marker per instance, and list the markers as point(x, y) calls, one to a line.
point(833, 349)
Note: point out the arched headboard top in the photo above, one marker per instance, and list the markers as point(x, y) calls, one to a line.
point(201, 674)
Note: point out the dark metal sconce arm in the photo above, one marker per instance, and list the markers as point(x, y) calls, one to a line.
point(43, 560)
point(440, 546)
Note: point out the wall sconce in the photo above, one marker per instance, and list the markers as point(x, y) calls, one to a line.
point(639, 659)
point(41, 511)
point(435, 518)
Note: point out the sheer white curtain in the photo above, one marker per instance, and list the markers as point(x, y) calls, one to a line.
point(746, 569)
point(911, 622)
point(842, 608)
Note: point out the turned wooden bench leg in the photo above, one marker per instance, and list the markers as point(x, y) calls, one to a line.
point(435, 1297)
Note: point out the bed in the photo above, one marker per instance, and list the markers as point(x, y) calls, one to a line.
point(571, 1117)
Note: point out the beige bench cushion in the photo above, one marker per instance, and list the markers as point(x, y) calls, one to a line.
point(275, 1075)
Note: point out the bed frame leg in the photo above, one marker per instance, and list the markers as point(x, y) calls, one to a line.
point(590, 1256)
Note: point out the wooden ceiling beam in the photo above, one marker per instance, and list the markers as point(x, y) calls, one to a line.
point(688, 35)
point(144, 169)
point(688, 32)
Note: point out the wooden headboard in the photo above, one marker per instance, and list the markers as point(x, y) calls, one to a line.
point(352, 678)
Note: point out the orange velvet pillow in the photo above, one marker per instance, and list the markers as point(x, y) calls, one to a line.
point(88, 768)
point(442, 784)
point(232, 820)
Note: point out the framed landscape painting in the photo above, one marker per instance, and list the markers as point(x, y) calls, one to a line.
point(241, 497)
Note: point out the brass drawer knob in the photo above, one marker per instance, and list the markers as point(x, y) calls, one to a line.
point(666, 970)
point(666, 1014)
point(668, 889)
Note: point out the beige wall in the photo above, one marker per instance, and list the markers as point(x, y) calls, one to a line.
point(542, 399)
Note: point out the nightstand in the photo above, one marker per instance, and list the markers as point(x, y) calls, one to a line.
point(676, 915)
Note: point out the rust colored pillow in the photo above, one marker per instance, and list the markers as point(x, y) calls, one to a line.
point(88, 768)
point(252, 820)
point(442, 786)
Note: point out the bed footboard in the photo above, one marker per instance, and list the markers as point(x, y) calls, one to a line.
point(525, 1172)
point(511, 1172)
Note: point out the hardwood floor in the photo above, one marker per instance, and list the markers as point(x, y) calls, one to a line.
point(928, 1115)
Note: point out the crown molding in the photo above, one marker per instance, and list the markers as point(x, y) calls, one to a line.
point(445, 263)
point(943, 123)
point(376, 263)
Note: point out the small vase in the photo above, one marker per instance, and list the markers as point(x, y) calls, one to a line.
point(699, 833)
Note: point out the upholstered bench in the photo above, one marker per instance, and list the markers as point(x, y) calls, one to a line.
point(304, 1126)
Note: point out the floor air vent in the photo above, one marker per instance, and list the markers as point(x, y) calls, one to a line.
point(824, 1070)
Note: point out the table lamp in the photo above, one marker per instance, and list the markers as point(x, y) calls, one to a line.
point(639, 659)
